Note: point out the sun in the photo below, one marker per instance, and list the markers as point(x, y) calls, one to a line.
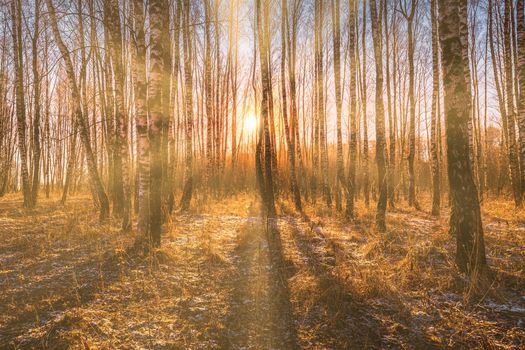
point(250, 123)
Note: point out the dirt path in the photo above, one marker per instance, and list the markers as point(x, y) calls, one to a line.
point(241, 270)
point(257, 318)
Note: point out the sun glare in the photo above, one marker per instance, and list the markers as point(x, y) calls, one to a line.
point(250, 123)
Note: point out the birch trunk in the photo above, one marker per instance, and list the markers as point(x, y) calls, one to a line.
point(336, 40)
point(350, 207)
point(188, 100)
point(436, 191)
point(380, 118)
point(111, 9)
point(290, 145)
point(158, 25)
point(465, 217)
point(141, 123)
point(19, 100)
point(267, 179)
point(520, 7)
point(36, 108)
point(79, 117)
point(409, 16)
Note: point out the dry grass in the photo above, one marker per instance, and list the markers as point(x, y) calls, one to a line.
point(355, 288)
point(224, 279)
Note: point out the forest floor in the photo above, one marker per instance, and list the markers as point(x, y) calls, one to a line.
point(227, 279)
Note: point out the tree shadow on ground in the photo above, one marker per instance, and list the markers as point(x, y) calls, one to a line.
point(337, 317)
point(41, 298)
point(260, 313)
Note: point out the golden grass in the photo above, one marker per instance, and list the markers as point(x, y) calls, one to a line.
point(67, 281)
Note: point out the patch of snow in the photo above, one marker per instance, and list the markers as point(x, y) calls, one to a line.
point(517, 309)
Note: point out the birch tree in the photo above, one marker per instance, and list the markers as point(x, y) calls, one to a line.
point(409, 12)
point(111, 9)
point(380, 118)
point(79, 117)
point(350, 210)
point(141, 122)
point(16, 8)
point(465, 217)
point(436, 181)
point(284, 96)
point(188, 101)
point(156, 101)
